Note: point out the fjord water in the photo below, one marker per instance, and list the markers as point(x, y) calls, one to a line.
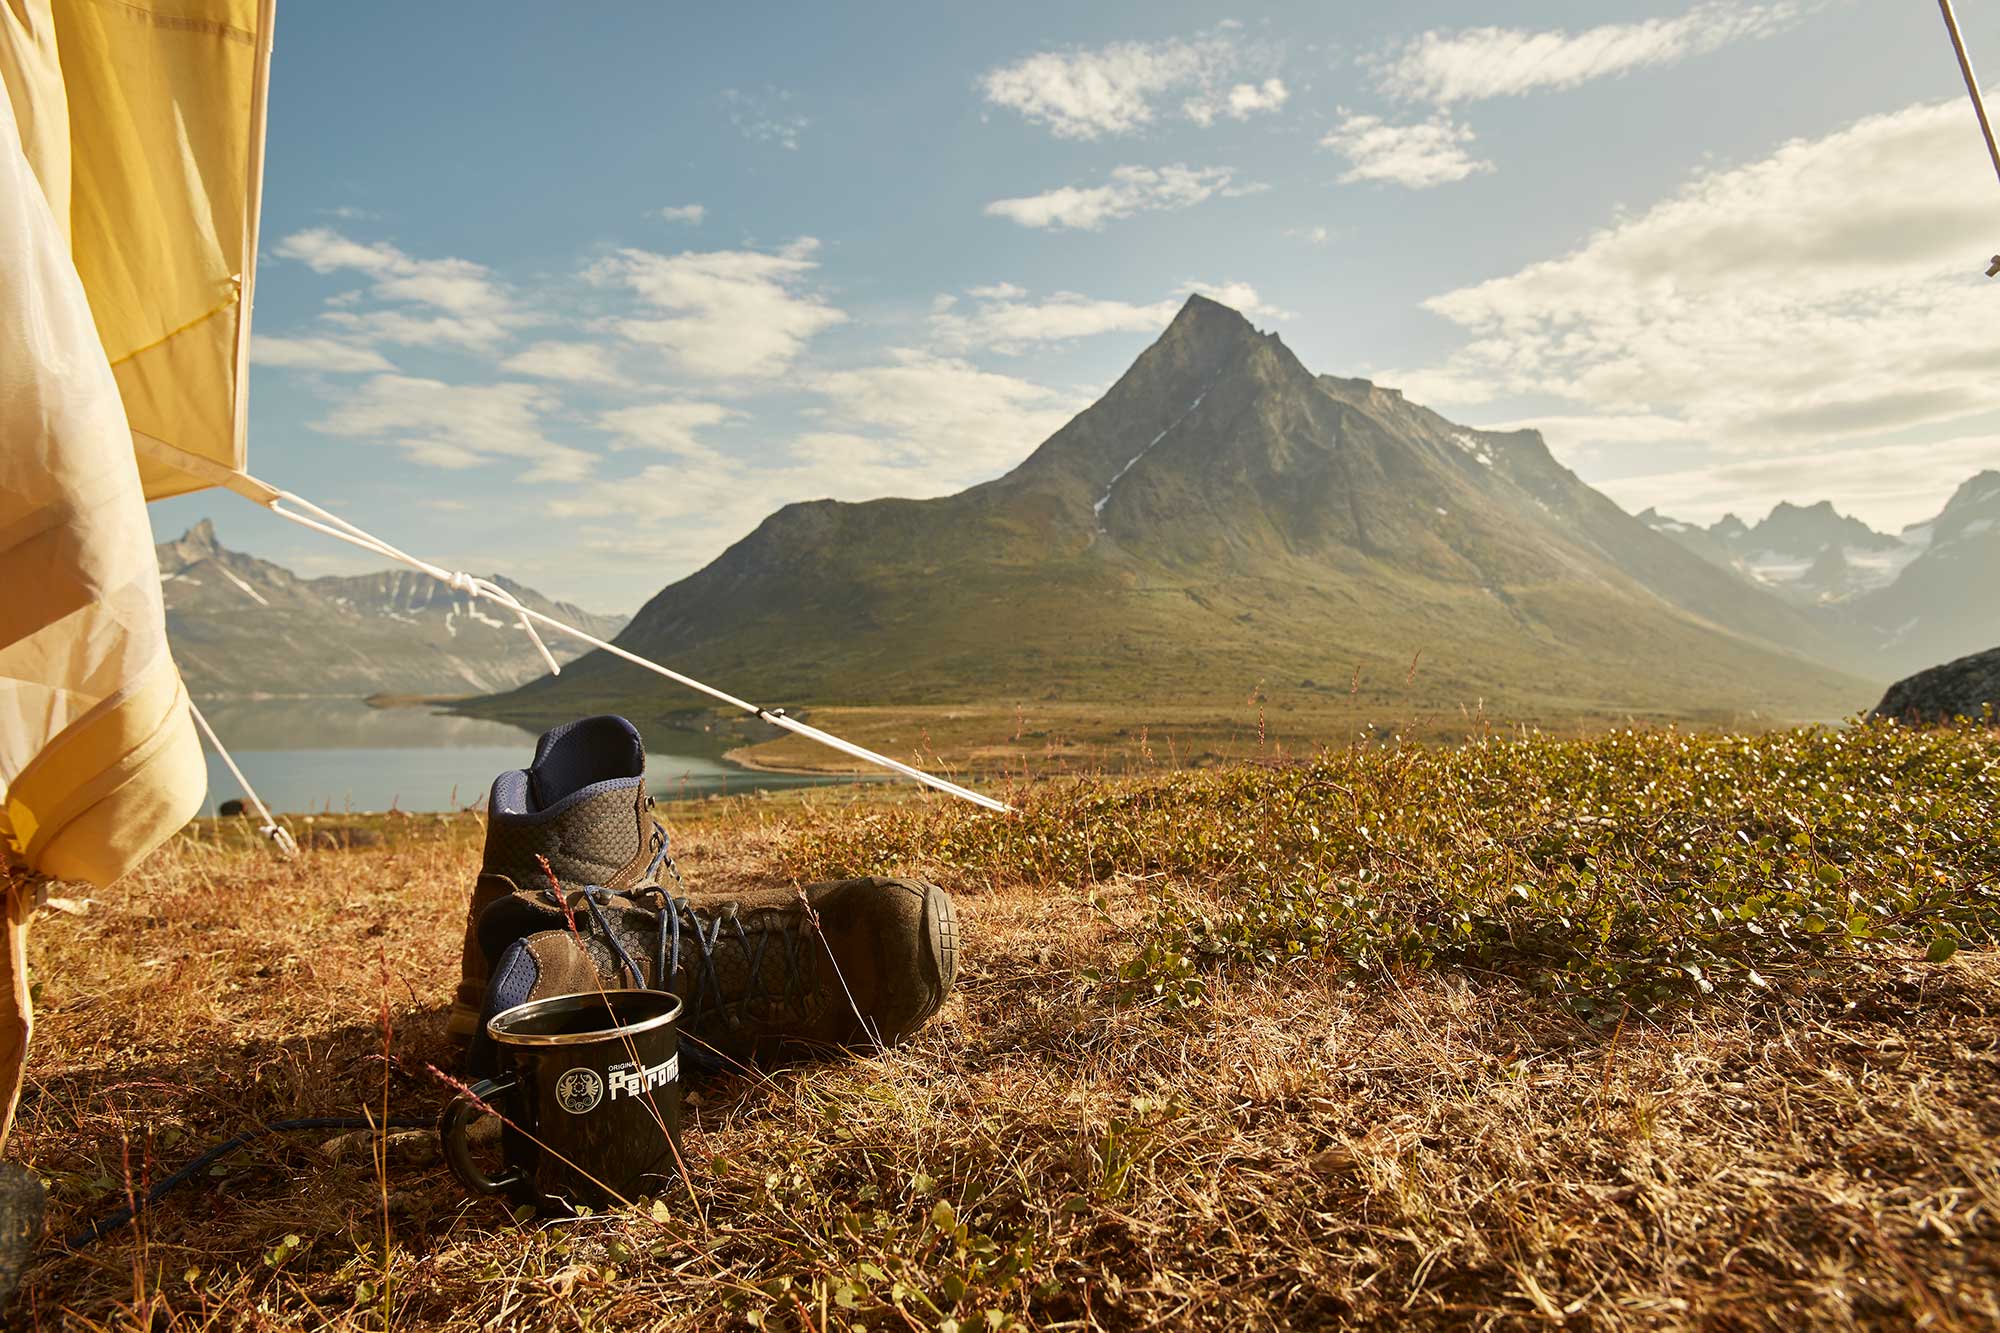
point(310, 755)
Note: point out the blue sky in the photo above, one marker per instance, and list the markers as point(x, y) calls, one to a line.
point(580, 294)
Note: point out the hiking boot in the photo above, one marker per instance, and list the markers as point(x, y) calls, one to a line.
point(583, 805)
point(763, 975)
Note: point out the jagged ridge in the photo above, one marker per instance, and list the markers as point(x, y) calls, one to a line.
point(243, 626)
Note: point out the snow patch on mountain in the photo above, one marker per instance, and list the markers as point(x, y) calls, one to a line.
point(1105, 499)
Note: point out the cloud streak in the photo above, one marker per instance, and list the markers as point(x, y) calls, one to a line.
point(1128, 191)
point(1887, 486)
point(458, 426)
point(723, 314)
point(459, 303)
point(329, 355)
point(1771, 307)
point(571, 362)
point(1478, 63)
point(916, 424)
point(1120, 88)
point(1417, 156)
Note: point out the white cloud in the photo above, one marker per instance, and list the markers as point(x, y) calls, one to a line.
point(458, 426)
point(442, 454)
point(918, 425)
point(1114, 89)
point(1315, 235)
point(455, 285)
point(323, 250)
point(325, 354)
point(1446, 67)
point(475, 333)
point(945, 413)
point(1246, 99)
point(474, 310)
point(1572, 437)
point(667, 428)
point(576, 362)
point(765, 117)
point(1129, 190)
point(1773, 306)
point(1003, 322)
point(1421, 155)
point(1002, 319)
point(1886, 486)
point(689, 213)
point(1238, 296)
point(725, 314)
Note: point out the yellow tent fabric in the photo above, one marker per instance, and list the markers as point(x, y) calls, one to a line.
point(131, 147)
point(167, 153)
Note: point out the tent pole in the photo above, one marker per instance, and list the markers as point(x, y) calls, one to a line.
point(1978, 102)
point(1971, 82)
point(270, 828)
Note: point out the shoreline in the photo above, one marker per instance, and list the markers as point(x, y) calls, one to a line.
point(742, 758)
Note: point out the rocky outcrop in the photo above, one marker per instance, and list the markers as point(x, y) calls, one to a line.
point(1957, 689)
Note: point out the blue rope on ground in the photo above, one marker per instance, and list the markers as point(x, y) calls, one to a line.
point(122, 1217)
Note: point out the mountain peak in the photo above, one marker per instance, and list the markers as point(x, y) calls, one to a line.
point(201, 536)
point(1204, 317)
point(1980, 488)
point(1220, 513)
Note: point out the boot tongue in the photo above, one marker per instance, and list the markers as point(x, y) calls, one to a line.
point(581, 754)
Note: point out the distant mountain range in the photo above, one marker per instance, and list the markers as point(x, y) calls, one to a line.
point(1900, 603)
point(1224, 519)
point(242, 626)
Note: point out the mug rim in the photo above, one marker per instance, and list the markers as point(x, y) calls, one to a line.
point(555, 1003)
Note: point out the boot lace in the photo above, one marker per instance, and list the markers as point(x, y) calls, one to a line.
point(704, 933)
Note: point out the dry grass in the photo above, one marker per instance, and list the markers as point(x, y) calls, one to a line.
point(1309, 1146)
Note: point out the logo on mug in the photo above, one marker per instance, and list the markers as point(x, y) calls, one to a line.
point(579, 1090)
point(629, 1080)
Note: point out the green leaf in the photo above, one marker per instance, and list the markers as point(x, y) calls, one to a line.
point(1942, 948)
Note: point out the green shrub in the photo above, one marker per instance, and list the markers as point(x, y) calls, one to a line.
point(1639, 867)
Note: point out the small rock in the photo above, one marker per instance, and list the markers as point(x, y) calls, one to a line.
point(1338, 1160)
point(1956, 689)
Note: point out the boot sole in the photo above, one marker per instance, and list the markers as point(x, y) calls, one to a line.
point(943, 919)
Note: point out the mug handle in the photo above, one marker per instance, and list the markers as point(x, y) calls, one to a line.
point(451, 1133)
